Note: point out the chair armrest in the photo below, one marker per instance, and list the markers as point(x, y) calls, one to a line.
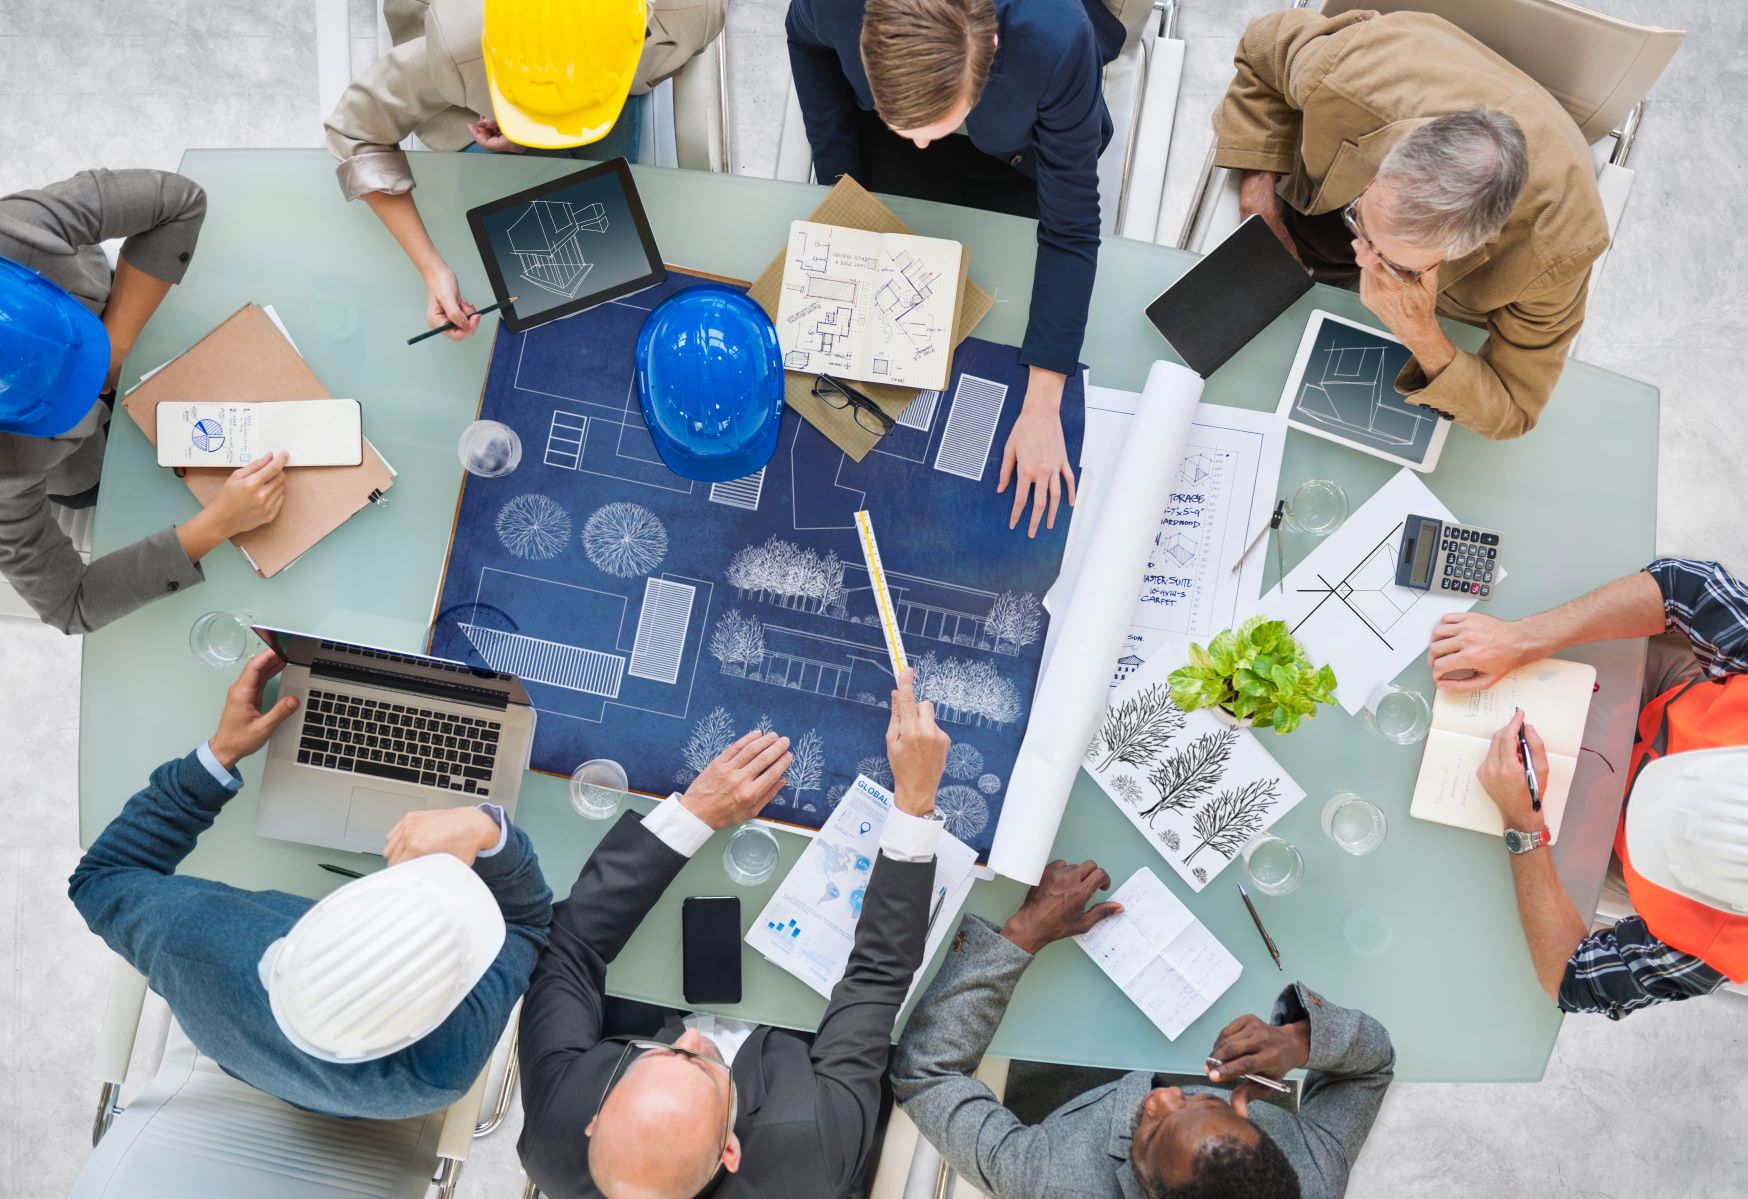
point(121, 1023)
point(456, 1139)
point(701, 111)
point(794, 151)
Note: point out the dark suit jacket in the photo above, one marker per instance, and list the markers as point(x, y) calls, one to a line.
point(808, 1105)
point(1042, 112)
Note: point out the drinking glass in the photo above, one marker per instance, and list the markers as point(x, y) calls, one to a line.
point(1398, 714)
point(221, 639)
point(489, 449)
point(597, 786)
point(1317, 507)
point(1355, 824)
point(751, 856)
point(1274, 865)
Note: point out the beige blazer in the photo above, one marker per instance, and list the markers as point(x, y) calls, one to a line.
point(1320, 101)
point(434, 82)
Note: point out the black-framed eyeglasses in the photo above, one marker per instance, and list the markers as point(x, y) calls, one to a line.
point(868, 414)
point(1351, 217)
point(636, 1049)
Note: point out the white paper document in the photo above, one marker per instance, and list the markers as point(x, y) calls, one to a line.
point(809, 926)
point(1342, 601)
point(1160, 956)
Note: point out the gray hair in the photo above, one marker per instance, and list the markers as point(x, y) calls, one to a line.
point(1456, 180)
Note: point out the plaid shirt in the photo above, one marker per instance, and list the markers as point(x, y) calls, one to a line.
point(1617, 971)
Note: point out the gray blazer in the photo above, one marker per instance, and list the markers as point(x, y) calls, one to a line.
point(56, 230)
point(1081, 1150)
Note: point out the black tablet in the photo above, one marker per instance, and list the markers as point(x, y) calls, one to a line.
point(1230, 296)
point(567, 245)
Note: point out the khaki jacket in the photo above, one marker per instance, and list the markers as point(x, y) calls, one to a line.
point(1320, 101)
point(434, 82)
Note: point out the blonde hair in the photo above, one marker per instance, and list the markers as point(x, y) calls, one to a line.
point(926, 57)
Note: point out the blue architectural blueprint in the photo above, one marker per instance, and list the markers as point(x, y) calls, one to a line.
point(655, 620)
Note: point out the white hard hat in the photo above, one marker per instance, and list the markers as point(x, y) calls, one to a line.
point(1687, 825)
point(382, 961)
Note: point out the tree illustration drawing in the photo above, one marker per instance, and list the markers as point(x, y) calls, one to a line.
point(1170, 838)
point(877, 768)
point(964, 761)
point(1014, 621)
point(625, 540)
point(963, 811)
point(764, 726)
point(1184, 778)
point(534, 526)
point(989, 784)
point(1138, 730)
point(967, 690)
point(1233, 818)
point(808, 769)
point(1128, 790)
point(789, 576)
point(738, 642)
point(710, 736)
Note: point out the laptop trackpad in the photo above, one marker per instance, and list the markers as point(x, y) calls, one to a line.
point(374, 813)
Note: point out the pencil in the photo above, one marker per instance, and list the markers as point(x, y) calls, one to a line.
point(1257, 920)
point(448, 325)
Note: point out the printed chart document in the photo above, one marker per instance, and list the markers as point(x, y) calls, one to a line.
point(1160, 956)
point(1555, 697)
point(311, 432)
point(809, 926)
point(876, 307)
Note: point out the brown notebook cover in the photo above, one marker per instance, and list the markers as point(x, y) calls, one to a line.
point(248, 358)
point(851, 205)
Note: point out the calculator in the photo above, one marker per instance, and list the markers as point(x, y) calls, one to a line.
point(1441, 555)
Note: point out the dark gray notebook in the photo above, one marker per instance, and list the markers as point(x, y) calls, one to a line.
point(1228, 297)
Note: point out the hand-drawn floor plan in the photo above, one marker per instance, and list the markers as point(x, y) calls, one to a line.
point(655, 619)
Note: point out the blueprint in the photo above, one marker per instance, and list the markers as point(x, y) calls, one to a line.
point(654, 620)
point(1343, 388)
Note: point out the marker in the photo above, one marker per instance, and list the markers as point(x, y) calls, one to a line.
point(448, 325)
point(882, 597)
point(1257, 920)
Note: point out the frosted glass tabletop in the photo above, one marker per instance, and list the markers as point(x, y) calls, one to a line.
point(1422, 933)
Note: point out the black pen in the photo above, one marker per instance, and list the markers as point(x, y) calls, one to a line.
point(1266, 939)
point(448, 325)
point(339, 870)
point(1529, 769)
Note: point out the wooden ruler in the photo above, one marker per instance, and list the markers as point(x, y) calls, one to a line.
point(882, 597)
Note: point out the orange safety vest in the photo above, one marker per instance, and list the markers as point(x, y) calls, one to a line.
point(1702, 714)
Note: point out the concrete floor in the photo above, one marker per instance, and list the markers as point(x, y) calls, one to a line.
point(1640, 1108)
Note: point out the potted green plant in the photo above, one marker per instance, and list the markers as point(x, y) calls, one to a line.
point(1255, 674)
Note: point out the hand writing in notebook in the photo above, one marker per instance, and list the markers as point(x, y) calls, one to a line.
point(1501, 774)
point(1482, 648)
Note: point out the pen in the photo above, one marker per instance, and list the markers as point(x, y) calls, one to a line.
point(935, 911)
point(1274, 523)
point(1279, 1088)
point(1529, 769)
point(448, 325)
point(339, 870)
point(1257, 920)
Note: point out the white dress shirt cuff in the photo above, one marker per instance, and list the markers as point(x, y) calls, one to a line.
point(220, 775)
point(676, 827)
point(908, 838)
point(497, 814)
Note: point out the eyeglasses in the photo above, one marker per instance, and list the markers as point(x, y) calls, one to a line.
point(1351, 215)
point(841, 395)
point(636, 1049)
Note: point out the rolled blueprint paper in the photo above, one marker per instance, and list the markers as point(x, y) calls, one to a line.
point(1076, 683)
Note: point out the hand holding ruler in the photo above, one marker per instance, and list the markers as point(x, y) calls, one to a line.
point(882, 596)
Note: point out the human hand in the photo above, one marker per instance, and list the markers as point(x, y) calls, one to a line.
point(251, 497)
point(243, 727)
point(487, 136)
point(1490, 647)
point(1409, 310)
point(1252, 1046)
point(1501, 774)
point(460, 832)
point(1257, 197)
point(741, 781)
point(443, 303)
point(1035, 458)
point(1056, 907)
point(916, 747)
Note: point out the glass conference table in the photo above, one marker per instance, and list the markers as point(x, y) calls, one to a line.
point(1423, 933)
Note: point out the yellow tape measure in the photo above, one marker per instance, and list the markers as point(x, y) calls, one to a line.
point(882, 597)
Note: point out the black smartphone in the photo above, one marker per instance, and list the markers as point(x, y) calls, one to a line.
point(710, 935)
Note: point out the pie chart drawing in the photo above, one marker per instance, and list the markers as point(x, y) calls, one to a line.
point(208, 435)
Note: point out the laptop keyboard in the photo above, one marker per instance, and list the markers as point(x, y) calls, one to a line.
point(398, 741)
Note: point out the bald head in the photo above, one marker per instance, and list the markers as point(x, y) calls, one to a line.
point(659, 1135)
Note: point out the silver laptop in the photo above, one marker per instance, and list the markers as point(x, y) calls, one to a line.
point(378, 734)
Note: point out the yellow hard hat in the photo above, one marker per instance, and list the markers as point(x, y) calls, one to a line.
point(559, 70)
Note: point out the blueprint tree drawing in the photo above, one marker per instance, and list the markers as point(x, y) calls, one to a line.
point(655, 620)
point(547, 243)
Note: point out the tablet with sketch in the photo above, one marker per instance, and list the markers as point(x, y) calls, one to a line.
point(1343, 387)
point(567, 245)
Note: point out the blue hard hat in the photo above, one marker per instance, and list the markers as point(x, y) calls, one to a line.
point(710, 379)
point(54, 355)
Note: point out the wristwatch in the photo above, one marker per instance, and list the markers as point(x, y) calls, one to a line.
point(1518, 841)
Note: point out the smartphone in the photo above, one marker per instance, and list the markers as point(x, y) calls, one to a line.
point(710, 935)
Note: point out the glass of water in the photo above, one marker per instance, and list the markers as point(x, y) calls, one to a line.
point(1355, 824)
point(489, 449)
point(1274, 865)
point(222, 639)
point(1398, 714)
point(597, 786)
point(1317, 507)
point(751, 856)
